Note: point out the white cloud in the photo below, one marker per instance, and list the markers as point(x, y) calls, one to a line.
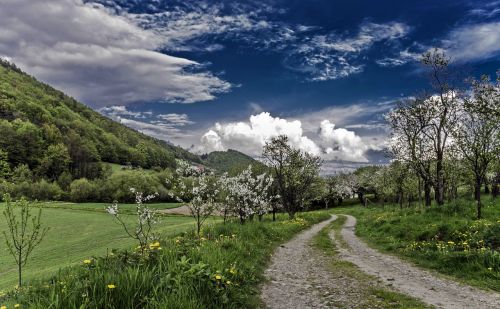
point(98, 57)
point(402, 57)
point(249, 137)
point(333, 56)
point(341, 144)
point(466, 43)
point(163, 126)
point(176, 119)
point(474, 42)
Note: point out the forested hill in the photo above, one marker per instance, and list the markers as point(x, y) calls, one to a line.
point(52, 132)
point(231, 161)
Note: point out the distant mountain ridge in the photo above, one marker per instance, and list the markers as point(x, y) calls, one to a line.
point(228, 161)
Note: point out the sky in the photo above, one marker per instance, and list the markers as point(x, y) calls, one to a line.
point(214, 75)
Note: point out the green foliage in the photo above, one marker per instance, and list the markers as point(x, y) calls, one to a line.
point(51, 132)
point(230, 161)
point(82, 190)
point(4, 165)
point(214, 271)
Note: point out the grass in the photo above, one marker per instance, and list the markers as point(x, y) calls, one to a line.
point(221, 270)
point(367, 293)
point(447, 239)
point(100, 207)
point(74, 235)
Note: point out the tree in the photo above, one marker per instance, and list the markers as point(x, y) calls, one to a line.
point(55, 161)
point(442, 108)
point(201, 194)
point(248, 195)
point(295, 172)
point(24, 232)
point(477, 132)
point(407, 142)
point(4, 165)
point(22, 173)
point(142, 231)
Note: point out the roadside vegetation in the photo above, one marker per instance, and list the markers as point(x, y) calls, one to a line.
point(448, 239)
point(221, 269)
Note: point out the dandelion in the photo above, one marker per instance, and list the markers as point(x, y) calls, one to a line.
point(228, 282)
point(111, 286)
point(17, 306)
point(218, 277)
point(3, 307)
point(87, 262)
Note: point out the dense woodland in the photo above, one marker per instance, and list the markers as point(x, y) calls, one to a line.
point(55, 148)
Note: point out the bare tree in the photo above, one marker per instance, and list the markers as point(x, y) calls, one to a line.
point(24, 232)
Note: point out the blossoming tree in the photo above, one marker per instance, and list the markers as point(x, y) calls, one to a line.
point(142, 230)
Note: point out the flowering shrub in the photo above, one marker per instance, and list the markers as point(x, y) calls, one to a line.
point(142, 231)
point(248, 195)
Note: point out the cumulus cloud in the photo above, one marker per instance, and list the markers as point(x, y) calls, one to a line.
point(251, 136)
point(341, 144)
point(98, 57)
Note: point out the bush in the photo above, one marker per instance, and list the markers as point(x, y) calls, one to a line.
point(46, 191)
point(82, 190)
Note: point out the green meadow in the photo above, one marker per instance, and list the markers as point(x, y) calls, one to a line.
point(75, 235)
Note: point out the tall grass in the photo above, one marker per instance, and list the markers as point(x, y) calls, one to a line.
point(220, 270)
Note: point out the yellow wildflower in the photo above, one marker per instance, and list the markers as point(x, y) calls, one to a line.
point(228, 282)
point(111, 286)
point(3, 307)
point(17, 306)
point(218, 277)
point(490, 269)
point(87, 261)
point(451, 242)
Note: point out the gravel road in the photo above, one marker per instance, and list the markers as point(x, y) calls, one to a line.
point(422, 284)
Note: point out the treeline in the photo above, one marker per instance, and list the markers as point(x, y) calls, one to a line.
point(444, 142)
point(53, 134)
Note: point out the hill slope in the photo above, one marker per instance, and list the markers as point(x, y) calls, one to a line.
point(52, 132)
point(231, 161)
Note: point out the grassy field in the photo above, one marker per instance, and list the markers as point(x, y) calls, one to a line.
point(75, 235)
point(447, 239)
point(100, 207)
point(223, 269)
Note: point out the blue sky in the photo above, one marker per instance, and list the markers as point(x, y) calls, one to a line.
point(213, 75)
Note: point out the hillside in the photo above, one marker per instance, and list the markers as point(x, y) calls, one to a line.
point(52, 132)
point(229, 161)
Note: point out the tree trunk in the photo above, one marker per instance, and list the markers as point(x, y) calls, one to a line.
point(20, 269)
point(478, 197)
point(427, 193)
point(274, 214)
point(439, 180)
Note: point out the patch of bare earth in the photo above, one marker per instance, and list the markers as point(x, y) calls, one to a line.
point(422, 284)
